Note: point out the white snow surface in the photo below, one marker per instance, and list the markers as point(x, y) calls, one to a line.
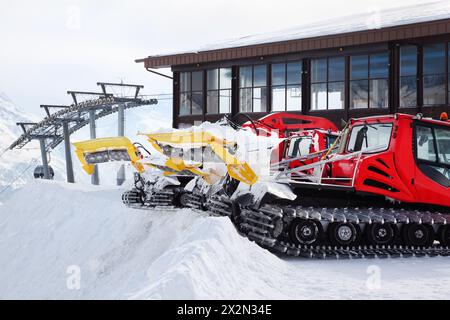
point(370, 20)
point(48, 227)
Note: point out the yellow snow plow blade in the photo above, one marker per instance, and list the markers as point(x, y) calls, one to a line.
point(92, 152)
point(238, 170)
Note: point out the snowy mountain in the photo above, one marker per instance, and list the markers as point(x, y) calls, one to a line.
point(16, 166)
point(64, 241)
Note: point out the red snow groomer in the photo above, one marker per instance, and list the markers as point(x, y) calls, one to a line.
point(296, 128)
point(382, 188)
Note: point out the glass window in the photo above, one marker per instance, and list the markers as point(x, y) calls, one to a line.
point(253, 90)
point(191, 93)
point(328, 83)
point(379, 97)
point(433, 151)
point(294, 73)
point(425, 144)
point(359, 67)
point(434, 90)
point(300, 146)
point(245, 100)
point(336, 67)
point(197, 102)
point(319, 70)
point(185, 104)
point(369, 85)
point(359, 94)
point(408, 61)
point(225, 78)
point(197, 81)
point(435, 73)
point(443, 145)
point(219, 91)
point(260, 76)
point(185, 81)
point(212, 104)
point(278, 74)
point(259, 99)
point(379, 65)
point(225, 101)
point(293, 97)
point(434, 58)
point(336, 95)
point(286, 86)
point(213, 79)
point(246, 77)
point(278, 98)
point(319, 96)
point(408, 92)
point(370, 138)
point(408, 76)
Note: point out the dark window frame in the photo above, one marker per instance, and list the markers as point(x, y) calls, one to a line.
point(369, 80)
point(415, 76)
point(349, 135)
point(253, 87)
point(327, 82)
point(219, 90)
point(191, 92)
point(446, 74)
point(287, 84)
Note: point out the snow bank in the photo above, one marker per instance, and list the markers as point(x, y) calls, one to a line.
point(48, 229)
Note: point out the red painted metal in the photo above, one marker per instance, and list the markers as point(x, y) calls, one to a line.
point(406, 181)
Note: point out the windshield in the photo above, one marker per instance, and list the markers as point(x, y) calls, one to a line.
point(373, 137)
point(300, 146)
point(433, 144)
point(433, 152)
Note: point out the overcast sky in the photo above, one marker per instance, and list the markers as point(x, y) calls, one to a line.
point(50, 46)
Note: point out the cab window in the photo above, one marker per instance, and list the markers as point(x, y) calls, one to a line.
point(299, 147)
point(433, 152)
point(370, 137)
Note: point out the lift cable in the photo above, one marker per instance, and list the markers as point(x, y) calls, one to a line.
point(8, 185)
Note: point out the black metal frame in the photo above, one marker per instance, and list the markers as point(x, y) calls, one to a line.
point(327, 82)
point(219, 89)
point(285, 85)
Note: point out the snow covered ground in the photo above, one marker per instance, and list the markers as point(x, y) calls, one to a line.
point(53, 234)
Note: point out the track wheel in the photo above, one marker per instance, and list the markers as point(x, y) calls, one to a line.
point(381, 233)
point(418, 235)
point(444, 235)
point(305, 232)
point(343, 234)
point(184, 199)
point(235, 213)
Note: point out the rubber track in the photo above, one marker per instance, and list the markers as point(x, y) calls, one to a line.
point(260, 230)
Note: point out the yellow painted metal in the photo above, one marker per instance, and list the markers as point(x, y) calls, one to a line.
point(238, 170)
point(106, 144)
point(188, 138)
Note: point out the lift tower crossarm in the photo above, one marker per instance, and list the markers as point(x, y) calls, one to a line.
point(138, 87)
point(75, 93)
point(24, 124)
point(50, 106)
